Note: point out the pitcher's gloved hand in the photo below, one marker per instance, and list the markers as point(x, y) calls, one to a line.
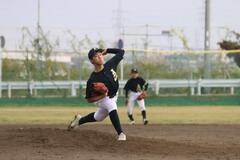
point(141, 96)
point(99, 88)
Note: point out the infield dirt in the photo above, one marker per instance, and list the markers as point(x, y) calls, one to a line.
point(98, 142)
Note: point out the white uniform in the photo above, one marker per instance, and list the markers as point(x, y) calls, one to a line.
point(131, 101)
point(105, 106)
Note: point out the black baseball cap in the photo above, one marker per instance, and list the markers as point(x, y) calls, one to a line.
point(93, 51)
point(134, 70)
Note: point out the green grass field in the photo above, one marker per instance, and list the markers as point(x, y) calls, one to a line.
point(156, 115)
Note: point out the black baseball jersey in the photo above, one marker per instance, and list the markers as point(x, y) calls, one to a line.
point(108, 75)
point(135, 85)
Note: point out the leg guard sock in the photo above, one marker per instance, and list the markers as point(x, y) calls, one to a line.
point(115, 121)
point(87, 118)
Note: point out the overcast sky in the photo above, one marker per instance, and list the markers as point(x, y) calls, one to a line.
point(98, 19)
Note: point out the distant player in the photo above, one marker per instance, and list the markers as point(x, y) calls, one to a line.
point(102, 88)
point(137, 87)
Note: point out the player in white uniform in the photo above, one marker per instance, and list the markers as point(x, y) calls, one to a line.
point(137, 87)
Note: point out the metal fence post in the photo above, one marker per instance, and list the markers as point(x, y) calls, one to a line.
point(73, 90)
point(157, 88)
point(192, 91)
point(199, 87)
point(31, 88)
point(232, 90)
point(9, 90)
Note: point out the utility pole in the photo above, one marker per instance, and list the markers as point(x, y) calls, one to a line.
point(2, 44)
point(37, 40)
point(119, 27)
point(207, 57)
point(119, 19)
point(146, 48)
point(146, 39)
point(38, 37)
point(38, 20)
point(1, 52)
point(120, 40)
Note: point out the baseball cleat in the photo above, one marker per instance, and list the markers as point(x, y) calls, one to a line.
point(122, 137)
point(145, 121)
point(132, 122)
point(74, 122)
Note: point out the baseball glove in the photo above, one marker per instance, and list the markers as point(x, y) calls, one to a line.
point(141, 96)
point(98, 88)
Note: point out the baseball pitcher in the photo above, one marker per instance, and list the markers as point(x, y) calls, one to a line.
point(102, 88)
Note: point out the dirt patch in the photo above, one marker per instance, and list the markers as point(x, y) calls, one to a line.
point(94, 142)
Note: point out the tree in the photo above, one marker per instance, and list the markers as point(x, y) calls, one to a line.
point(80, 46)
point(232, 45)
point(39, 50)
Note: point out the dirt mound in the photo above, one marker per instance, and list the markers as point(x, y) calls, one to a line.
point(99, 142)
point(91, 140)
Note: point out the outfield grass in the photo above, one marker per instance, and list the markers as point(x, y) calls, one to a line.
point(156, 115)
point(205, 100)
